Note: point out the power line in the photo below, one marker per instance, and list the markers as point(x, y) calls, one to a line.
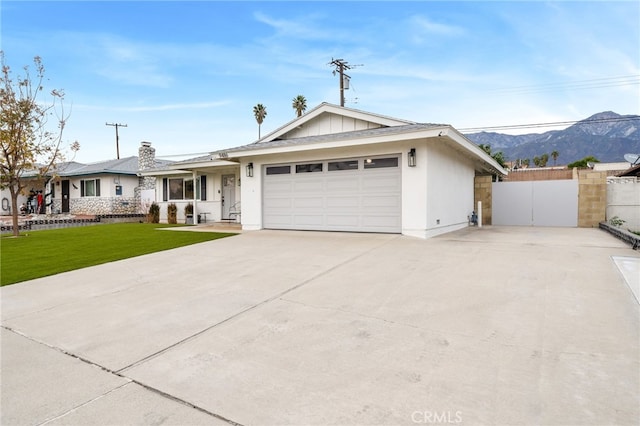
point(550, 124)
point(594, 83)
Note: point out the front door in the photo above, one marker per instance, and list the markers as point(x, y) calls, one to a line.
point(65, 196)
point(228, 195)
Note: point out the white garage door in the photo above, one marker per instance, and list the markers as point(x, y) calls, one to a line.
point(357, 195)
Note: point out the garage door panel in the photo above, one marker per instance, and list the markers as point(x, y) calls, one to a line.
point(343, 202)
point(343, 220)
point(379, 221)
point(280, 220)
point(381, 183)
point(387, 202)
point(309, 202)
point(338, 184)
point(278, 203)
point(309, 185)
point(307, 220)
point(362, 200)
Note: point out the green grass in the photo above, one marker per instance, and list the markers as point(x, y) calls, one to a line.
point(38, 254)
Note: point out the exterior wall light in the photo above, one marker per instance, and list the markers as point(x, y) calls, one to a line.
point(412, 157)
point(250, 170)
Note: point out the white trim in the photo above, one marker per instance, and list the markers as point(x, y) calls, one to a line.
point(335, 109)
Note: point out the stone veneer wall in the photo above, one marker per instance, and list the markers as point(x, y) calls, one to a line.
point(482, 192)
point(592, 198)
point(101, 205)
point(146, 160)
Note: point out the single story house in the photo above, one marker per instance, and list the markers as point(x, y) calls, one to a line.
point(110, 187)
point(335, 169)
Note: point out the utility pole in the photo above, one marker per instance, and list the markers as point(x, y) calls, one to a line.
point(116, 125)
point(342, 65)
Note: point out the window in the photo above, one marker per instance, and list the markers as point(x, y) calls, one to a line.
point(90, 188)
point(182, 189)
point(309, 168)
point(377, 163)
point(176, 189)
point(201, 188)
point(343, 165)
point(278, 170)
point(188, 189)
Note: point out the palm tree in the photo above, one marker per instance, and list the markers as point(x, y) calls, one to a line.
point(259, 112)
point(555, 155)
point(299, 104)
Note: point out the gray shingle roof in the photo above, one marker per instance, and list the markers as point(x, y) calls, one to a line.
point(124, 166)
point(332, 137)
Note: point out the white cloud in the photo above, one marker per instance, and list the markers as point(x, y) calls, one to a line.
point(303, 28)
point(424, 27)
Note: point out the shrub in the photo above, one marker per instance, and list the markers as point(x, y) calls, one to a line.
point(616, 221)
point(172, 213)
point(188, 209)
point(154, 213)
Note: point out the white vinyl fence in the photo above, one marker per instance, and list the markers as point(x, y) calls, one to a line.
point(535, 203)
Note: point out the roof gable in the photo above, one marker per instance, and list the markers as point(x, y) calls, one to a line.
point(328, 119)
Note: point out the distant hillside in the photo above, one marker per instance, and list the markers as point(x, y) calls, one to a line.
point(606, 135)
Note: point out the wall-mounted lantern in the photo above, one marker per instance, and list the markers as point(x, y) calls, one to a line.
point(412, 157)
point(250, 170)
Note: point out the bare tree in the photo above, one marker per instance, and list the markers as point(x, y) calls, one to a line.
point(27, 143)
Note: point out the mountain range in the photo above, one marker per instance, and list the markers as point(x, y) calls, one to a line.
point(605, 135)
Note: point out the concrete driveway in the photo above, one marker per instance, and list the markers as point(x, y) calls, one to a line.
point(482, 326)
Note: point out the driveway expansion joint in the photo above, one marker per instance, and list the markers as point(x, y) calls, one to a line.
point(257, 305)
point(115, 373)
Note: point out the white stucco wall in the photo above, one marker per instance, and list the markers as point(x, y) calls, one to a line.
point(450, 183)
point(414, 192)
point(623, 200)
point(439, 187)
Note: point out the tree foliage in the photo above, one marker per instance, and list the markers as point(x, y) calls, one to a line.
point(299, 104)
point(259, 112)
point(27, 142)
point(584, 163)
point(541, 161)
point(498, 156)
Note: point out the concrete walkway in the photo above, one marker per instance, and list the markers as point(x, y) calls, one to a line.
point(482, 326)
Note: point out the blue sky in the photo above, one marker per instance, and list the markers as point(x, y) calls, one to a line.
point(186, 75)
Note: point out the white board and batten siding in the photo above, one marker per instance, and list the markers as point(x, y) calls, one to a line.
point(535, 203)
point(354, 194)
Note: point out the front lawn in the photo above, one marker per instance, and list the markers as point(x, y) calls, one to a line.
point(38, 254)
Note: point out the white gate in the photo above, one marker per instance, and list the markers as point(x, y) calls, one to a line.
point(535, 203)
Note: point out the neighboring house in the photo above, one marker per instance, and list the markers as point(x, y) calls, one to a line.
point(335, 169)
point(110, 187)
